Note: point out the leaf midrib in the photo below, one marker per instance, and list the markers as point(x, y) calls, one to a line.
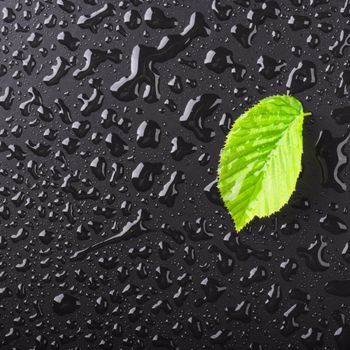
point(271, 154)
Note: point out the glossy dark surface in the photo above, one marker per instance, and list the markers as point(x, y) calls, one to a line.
point(113, 235)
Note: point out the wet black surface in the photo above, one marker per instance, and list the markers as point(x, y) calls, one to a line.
point(112, 233)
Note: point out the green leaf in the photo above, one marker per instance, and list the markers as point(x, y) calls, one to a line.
point(261, 160)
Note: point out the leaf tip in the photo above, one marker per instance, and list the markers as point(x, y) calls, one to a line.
point(240, 224)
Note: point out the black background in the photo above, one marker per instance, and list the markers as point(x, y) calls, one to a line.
point(32, 320)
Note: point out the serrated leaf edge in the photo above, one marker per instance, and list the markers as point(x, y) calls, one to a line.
point(302, 115)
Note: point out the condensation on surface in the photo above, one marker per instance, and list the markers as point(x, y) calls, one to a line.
point(113, 234)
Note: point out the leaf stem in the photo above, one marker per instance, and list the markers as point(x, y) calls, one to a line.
point(307, 114)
